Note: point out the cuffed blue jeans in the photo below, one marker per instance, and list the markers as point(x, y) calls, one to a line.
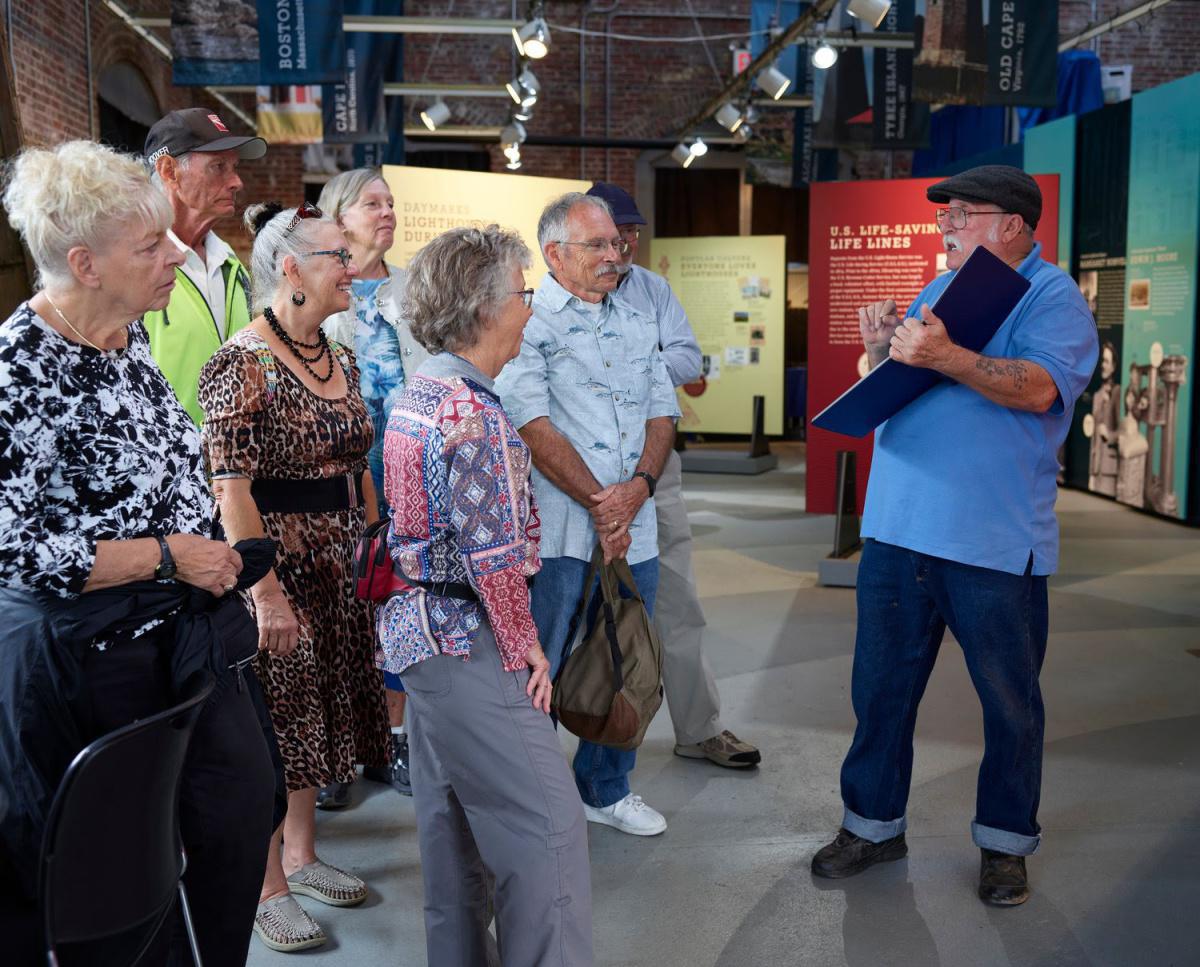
point(906, 600)
point(601, 772)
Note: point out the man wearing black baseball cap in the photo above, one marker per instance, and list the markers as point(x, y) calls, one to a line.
point(691, 689)
point(960, 532)
point(195, 159)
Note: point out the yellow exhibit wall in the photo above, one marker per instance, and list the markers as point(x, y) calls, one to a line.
point(431, 200)
point(734, 289)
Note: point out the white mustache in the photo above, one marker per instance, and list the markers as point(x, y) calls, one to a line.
point(952, 244)
point(615, 269)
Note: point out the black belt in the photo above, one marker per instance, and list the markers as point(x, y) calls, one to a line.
point(450, 589)
point(446, 589)
point(318, 496)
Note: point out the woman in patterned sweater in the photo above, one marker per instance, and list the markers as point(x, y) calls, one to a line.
point(490, 784)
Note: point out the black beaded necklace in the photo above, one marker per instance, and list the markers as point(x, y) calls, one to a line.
point(295, 345)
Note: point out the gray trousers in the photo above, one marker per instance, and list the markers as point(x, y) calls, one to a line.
point(691, 690)
point(493, 793)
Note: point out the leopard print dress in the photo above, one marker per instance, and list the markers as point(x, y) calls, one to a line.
point(326, 697)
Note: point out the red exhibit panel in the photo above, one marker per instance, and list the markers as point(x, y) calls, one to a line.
point(869, 241)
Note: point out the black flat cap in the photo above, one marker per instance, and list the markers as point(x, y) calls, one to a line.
point(1010, 188)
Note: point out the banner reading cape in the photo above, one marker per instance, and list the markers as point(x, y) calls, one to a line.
point(243, 42)
point(869, 241)
point(986, 52)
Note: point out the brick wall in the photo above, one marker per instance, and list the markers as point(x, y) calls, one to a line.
point(652, 88)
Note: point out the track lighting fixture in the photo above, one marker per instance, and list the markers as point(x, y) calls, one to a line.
point(524, 88)
point(869, 11)
point(435, 115)
point(533, 39)
point(699, 148)
point(729, 117)
point(683, 154)
point(774, 82)
point(824, 56)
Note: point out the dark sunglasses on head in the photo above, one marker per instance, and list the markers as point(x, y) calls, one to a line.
point(307, 210)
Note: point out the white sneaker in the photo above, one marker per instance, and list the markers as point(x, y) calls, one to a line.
point(629, 815)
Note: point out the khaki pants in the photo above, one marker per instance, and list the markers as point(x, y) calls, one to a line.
point(691, 690)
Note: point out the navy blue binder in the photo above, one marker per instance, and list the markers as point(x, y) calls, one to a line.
point(973, 306)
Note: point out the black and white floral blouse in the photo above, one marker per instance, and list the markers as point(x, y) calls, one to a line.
point(94, 446)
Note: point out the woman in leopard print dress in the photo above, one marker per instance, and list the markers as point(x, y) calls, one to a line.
point(286, 435)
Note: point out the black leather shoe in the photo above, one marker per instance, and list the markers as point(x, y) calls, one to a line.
point(396, 774)
point(849, 854)
point(334, 796)
point(1003, 881)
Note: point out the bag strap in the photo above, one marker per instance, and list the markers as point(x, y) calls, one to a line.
point(581, 611)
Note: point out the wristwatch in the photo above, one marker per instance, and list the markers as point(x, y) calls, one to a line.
point(166, 567)
point(650, 481)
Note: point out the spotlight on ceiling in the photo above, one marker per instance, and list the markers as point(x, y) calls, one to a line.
point(514, 162)
point(871, 11)
point(523, 113)
point(683, 154)
point(824, 56)
point(435, 115)
point(533, 40)
point(742, 134)
point(774, 81)
point(729, 117)
point(513, 133)
point(512, 152)
point(524, 88)
point(699, 148)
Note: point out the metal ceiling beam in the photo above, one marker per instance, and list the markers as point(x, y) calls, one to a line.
point(819, 11)
point(1112, 23)
point(368, 24)
point(407, 90)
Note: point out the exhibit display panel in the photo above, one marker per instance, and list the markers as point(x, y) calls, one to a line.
point(1050, 148)
point(1159, 346)
point(869, 241)
point(734, 290)
point(1102, 180)
point(431, 200)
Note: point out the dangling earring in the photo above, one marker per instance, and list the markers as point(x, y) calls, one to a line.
point(298, 298)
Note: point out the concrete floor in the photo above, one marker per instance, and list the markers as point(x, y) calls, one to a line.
point(1117, 881)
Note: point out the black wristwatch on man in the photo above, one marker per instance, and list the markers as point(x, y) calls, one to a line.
point(651, 482)
point(165, 571)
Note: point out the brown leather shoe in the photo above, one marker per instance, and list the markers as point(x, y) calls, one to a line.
point(1003, 881)
point(849, 854)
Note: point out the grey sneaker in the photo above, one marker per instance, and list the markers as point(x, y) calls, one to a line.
point(725, 750)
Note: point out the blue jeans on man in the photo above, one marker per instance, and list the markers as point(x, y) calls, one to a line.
point(601, 772)
point(906, 600)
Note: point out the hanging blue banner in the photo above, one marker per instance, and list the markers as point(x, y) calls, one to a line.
point(357, 112)
point(301, 42)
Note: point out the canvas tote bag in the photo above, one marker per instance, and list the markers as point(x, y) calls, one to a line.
point(610, 685)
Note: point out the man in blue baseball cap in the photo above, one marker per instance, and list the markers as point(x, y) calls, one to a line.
point(691, 690)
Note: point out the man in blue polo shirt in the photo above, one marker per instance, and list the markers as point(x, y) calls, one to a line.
point(960, 533)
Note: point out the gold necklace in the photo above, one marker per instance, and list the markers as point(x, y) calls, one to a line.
point(68, 322)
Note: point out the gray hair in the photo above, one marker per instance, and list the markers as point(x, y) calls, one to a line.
point(341, 191)
point(272, 244)
point(78, 193)
point(183, 161)
point(458, 281)
point(552, 226)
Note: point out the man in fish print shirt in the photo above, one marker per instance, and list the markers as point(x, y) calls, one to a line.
point(592, 398)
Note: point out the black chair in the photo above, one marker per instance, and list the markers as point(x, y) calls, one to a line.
point(112, 861)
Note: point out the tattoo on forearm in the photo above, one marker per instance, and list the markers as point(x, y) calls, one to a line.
point(1015, 369)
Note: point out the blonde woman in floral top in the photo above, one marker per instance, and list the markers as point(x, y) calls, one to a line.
point(490, 784)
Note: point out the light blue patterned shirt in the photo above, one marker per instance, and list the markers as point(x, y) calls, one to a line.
point(599, 376)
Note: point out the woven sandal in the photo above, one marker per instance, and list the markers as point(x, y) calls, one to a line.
point(328, 884)
point(282, 924)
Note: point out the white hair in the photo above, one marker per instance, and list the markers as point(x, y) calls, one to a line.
point(273, 242)
point(341, 191)
point(78, 193)
point(552, 226)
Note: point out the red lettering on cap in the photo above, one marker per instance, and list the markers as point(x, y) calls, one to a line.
point(217, 124)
